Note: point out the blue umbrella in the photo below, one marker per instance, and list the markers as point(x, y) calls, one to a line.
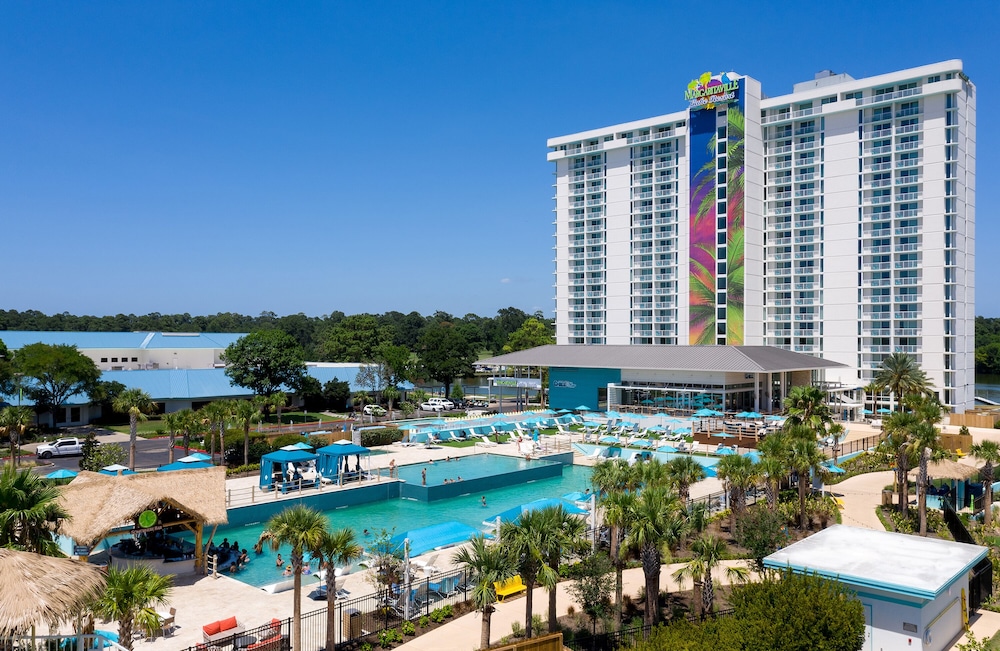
point(666, 448)
point(62, 473)
point(114, 469)
point(196, 456)
point(829, 465)
point(576, 496)
point(582, 408)
point(883, 410)
point(409, 426)
point(184, 465)
point(753, 455)
point(867, 412)
point(776, 418)
point(682, 430)
point(704, 413)
point(723, 435)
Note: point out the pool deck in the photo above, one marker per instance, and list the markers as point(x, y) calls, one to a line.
point(201, 599)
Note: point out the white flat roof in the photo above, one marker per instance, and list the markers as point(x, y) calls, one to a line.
point(900, 563)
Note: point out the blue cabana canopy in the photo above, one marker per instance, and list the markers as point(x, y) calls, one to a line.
point(279, 458)
point(330, 457)
point(114, 469)
point(184, 465)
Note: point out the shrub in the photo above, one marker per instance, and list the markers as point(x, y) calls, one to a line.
point(437, 616)
point(238, 470)
point(424, 621)
point(286, 439)
point(516, 629)
point(448, 610)
point(380, 436)
point(408, 628)
point(366, 646)
point(761, 531)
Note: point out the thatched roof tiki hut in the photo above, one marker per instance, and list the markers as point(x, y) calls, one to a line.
point(101, 505)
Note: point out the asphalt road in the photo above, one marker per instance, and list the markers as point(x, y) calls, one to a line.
point(148, 453)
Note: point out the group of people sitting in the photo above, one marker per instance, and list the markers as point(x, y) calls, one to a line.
point(452, 481)
point(231, 553)
point(306, 567)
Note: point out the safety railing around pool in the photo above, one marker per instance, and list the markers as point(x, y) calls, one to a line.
point(68, 642)
point(299, 488)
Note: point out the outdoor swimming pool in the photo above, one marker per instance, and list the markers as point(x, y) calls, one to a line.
point(404, 514)
point(707, 462)
point(468, 467)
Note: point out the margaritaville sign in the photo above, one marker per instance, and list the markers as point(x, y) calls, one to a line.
point(708, 90)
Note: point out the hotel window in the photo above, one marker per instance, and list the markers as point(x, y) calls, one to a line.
point(104, 360)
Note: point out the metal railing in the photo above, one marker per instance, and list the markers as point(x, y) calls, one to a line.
point(68, 642)
point(272, 636)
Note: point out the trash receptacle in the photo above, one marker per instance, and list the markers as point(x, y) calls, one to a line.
point(887, 496)
point(351, 626)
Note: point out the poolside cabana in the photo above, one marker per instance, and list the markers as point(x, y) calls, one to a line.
point(100, 505)
point(278, 469)
point(334, 460)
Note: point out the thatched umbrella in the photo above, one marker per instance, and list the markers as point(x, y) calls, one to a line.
point(38, 589)
point(947, 469)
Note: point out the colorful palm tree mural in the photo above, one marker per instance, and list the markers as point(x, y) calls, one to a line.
point(703, 229)
point(735, 225)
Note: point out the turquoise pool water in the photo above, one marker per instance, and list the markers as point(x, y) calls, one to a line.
point(470, 467)
point(707, 462)
point(403, 514)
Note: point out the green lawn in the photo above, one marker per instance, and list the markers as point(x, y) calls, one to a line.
point(458, 444)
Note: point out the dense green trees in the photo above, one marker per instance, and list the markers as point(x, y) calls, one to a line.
point(53, 374)
point(263, 361)
point(445, 354)
point(29, 512)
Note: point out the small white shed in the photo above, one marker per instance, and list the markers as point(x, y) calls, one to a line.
point(914, 590)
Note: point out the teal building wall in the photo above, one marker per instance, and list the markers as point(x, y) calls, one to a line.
point(572, 387)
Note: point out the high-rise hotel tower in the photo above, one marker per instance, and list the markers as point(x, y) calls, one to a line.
point(838, 220)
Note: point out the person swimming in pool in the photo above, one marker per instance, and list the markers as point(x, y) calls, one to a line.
point(484, 501)
point(278, 562)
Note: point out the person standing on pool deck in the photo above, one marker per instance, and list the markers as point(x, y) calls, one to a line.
point(423, 477)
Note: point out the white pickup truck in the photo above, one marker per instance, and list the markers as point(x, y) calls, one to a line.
point(60, 448)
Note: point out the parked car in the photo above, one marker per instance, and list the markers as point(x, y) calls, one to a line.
point(374, 410)
point(444, 402)
point(60, 448)
point(431, 406)
point(478, 403)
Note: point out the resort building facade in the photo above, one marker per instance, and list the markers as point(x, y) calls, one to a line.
point(836, 221)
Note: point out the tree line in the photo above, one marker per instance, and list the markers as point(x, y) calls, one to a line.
point(334, 337)
point(987, 345)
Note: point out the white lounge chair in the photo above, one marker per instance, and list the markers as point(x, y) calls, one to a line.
point(484, 441)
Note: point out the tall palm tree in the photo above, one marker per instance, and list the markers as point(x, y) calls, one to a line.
point(136, 403)
point(837, 433)
point(617, 505)
point(896, 440)
point(278, 400)
point(709, 552)
point(803, 458)
point(926, 441)
point(175, 423)
point(564, 537)
point(525, 541)
point(246, 413)
point(774, 465)
point(739, 475)
point(682, 473)
point(988, 451)
point(806, 405)
point(13, 422)
point(391, 394)
point(131, 596)
point(29, 512)
point(335, 549)
point(872, 390)
point(302, 529)
point(901, 374)
point(214, 416)
point(489, 564)
point(655, 524)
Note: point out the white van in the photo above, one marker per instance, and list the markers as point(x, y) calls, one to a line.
point(444, 402)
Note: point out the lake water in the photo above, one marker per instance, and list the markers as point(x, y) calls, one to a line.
point(988, 386)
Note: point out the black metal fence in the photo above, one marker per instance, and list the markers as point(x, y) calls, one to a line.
point(272, 636)
point(626, 637)
point(857, 445)
point(981, 582)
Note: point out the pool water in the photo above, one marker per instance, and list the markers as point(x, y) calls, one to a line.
point(398, 515)
point(707, 462)
point(469, 467)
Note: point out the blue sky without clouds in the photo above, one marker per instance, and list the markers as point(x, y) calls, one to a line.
point(372, 156)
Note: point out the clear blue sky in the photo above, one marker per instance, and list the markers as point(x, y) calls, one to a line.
point(372, 156)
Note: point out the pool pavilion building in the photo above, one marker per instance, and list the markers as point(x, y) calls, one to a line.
point(659, 378)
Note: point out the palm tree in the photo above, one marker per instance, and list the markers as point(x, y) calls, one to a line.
point(654, 524)
point(617, 505)
point(246, 413)
point(682, 473)
point(175, 423)
point(215, 415)
point(926, 441)
point(302, 529)
point(896, 431)
point(136, 403)
point(804, 457)
point(709, 551)
point(564, 536)
point(278, 400)
point(489, 564)
point(837, 434)
point(131, 597)
point(30, 512)
point(739, 474)
point(902, 376)
point(872, 390)
point(390, 393)
point(773, 465)
point(806, 405)
point(335, 549)
point(988, 451)
point(14, 421)
point(525, 541)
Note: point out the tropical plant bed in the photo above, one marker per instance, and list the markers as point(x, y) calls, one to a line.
point(909, 523)
point(406, 631)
